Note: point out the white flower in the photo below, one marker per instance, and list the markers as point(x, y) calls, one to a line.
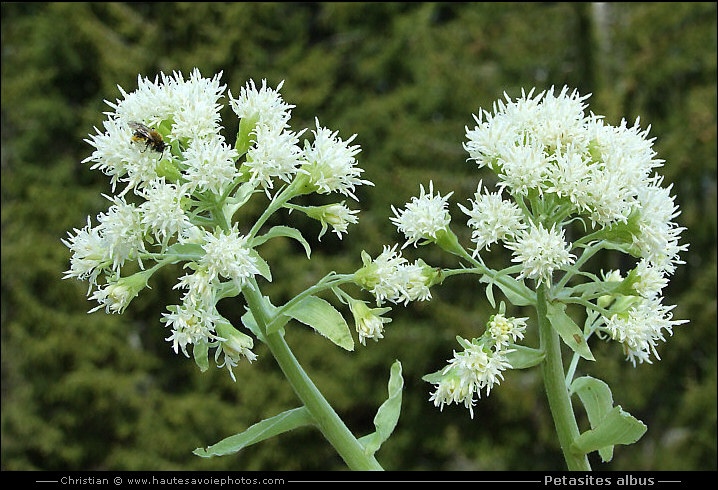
point(423, 217)
point(540, 252)
point(658, 236)
point(122, 230)
point(275, 154)
point(210, 165)
point(330, 163)
point(114, 297)
point(234, 345)
point(89, 254)
point(149, 103)
point(265, 106)
point(200, 288)
point(228, 256)
point(560, 119)
point(115, 156)
point(193, 105)
point(338, 216)
point(506, 330)
point(650, 280)
point(523, 167)
point(492, 219)
point(390, 277)
point(469, 372)
point(162, 212)
point(368, 321)
point(641, 327)
point(190, 324)
point(570, 174)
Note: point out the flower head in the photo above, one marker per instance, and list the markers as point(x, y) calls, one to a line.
point(640, 327)
point(390, 277)
point(262, 106)
point(423, 217)
point(369, 322)
point(505, 330)
point(330, 163)
point(275, 154)
point(540, 252)
point(228, 255)
point(470, 371)
point(492, 219)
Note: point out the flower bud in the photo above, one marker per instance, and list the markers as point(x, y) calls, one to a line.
point(368, 321)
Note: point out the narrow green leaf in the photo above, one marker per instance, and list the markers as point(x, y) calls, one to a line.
point(193, 250)
point(262, 265)
point(524, 357)
point(388, 414)
point(597, 399)
point(617, 427)
point(323, 318)
point(251, 324)
point(434, 377)
point(200, 351)
point(286, 231)
point(490, 294)
point(570, 333)
point(284, 422)
point(510, 292)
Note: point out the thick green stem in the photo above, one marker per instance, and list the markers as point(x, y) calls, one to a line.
point(329, 423)
point(555, 385)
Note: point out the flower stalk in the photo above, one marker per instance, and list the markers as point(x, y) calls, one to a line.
point(326, 419)
point(555, 387)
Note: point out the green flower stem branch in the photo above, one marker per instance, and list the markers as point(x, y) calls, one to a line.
point(556, 389)
point(326, 419)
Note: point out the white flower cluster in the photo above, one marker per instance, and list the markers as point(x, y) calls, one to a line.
point(423, 217)
point(640, 327)
point(479, 365)
point(558, 162)
point(391, 277)
point(163, 143)
point(547, 145)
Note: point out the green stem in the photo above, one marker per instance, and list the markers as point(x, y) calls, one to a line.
point(298, 186)
point(327, 420)
point(555, 385)
point(326, 282)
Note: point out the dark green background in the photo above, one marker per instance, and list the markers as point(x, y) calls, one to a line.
point(98, 391)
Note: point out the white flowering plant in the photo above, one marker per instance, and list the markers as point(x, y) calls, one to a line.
point(181, 186)
point(568, 186)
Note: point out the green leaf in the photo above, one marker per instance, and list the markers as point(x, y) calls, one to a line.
point(597, 399)
point(617, 427)
point(192, 250)
point(251, 324)
point(490, 294)
point(570, 333)
point(510, 292)
point(262, 265)
point(287, 231)
point(591, 289)
point(200, 351)
point(244, 192)
point(524, 357)
point(284, 422)
point(434, 377)
point(388, 414)
point(323, 318)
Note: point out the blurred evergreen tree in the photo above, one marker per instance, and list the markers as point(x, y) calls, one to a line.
point(105, 392)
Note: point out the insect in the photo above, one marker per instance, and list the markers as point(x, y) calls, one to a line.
point(150, 137)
